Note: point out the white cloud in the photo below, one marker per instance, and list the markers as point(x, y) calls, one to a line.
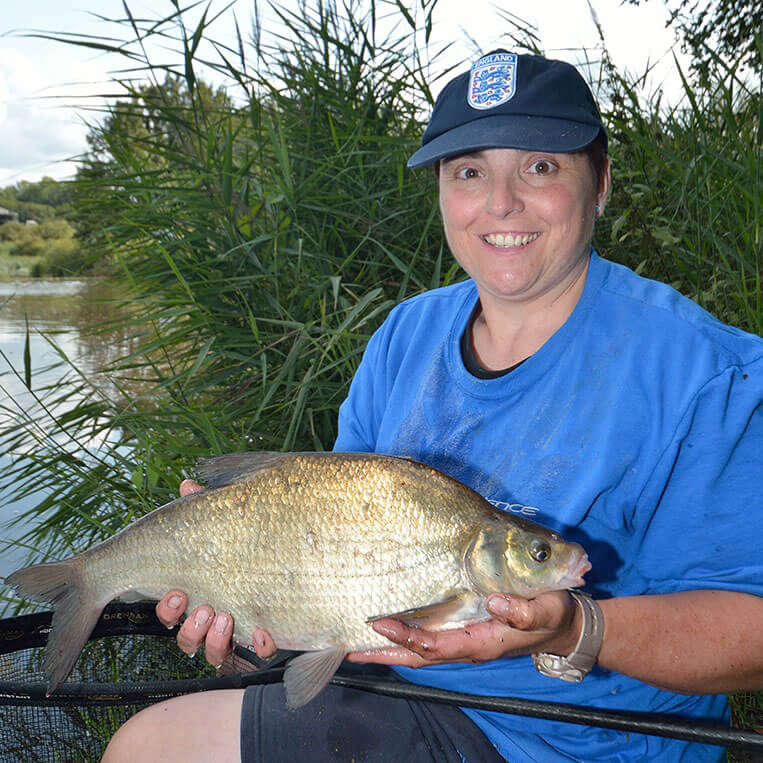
point(567, 30)
point(42, 99)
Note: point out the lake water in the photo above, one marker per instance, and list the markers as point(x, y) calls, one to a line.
point(58, 311)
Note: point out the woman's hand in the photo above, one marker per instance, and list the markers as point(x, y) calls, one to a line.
point(204, 626)
point(549, 623)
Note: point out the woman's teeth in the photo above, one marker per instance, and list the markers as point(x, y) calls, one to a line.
point(507, 240)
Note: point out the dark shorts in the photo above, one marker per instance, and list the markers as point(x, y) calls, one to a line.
point(343, 724)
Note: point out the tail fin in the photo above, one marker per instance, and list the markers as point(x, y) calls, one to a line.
point(75, 616)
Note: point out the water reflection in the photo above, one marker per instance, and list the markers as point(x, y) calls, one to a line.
point(56, 312)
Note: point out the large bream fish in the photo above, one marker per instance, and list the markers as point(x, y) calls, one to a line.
point(310, 547)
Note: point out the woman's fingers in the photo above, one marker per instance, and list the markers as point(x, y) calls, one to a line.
point(518, 626)
point(203, 627)
point(194, 629)
point(217, 643)
point(189, 486)
point(474, 643)
point(263, 644)
point(170, 609)
point(389, 656)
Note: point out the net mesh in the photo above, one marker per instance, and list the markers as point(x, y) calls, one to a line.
point(76, 722)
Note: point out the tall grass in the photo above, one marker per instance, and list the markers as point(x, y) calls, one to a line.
point(686, 205)
point(260, 233)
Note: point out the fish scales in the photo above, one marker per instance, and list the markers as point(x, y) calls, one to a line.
point(323, 568)
point(309, 547)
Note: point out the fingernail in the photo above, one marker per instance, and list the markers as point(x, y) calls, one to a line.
point(499, 605)
point(390, 631)
point(221, 623)
point(201, 617)
point(174, 602)
point(259, 639)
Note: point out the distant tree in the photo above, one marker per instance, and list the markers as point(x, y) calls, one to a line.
point(28, 242)
point(57, 228)
point(11, 231)
point(47, 191)
point(43, 200)
point(143, 131)
point(150, 140)
point(729, 28)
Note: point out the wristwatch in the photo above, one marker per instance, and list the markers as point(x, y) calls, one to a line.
point(576, 665)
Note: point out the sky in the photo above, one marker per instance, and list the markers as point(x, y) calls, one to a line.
point(48, 88)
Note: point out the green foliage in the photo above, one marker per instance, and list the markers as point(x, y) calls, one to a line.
point(27, 242)
point(44, 239)
point(40, 201)
point(731, 28)
point(259, 241)
point(687, 183)
point(12, 231)
point(51, 246)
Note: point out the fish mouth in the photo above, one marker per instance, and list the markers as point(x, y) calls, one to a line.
point(575, 572)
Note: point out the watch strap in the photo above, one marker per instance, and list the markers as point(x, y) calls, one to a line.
point(576, 665)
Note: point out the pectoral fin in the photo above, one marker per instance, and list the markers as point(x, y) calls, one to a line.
point(307, 674)
point(453, 612)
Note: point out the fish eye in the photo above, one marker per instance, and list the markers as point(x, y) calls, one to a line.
point(540, 550)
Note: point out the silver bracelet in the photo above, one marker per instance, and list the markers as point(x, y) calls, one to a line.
point(576, 665)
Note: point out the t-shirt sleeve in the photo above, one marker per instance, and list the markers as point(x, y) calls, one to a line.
point(361, 412)
point(699, 521)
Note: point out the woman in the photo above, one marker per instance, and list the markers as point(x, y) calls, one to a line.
point(564, 388)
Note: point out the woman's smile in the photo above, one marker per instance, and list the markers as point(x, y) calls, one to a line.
point(510, 240)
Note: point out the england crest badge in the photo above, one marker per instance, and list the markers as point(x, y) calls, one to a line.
point(493, 80)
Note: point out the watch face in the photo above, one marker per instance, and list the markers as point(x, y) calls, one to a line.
point(554, 666)
point(576, 666)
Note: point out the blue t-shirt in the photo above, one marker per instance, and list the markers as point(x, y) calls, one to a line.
point(635, 430)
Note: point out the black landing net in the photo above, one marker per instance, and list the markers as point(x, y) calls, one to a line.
point(77, 720)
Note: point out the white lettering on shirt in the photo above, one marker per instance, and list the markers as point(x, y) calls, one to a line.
point(515, 508)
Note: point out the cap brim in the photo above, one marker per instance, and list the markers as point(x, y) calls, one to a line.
point(557, 136)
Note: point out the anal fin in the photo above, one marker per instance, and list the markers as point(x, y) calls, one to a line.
point(307, 674)
point(452, 612)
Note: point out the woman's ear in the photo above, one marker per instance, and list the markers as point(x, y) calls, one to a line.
point(604, 187)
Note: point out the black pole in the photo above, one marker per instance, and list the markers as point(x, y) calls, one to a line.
point(642, 723)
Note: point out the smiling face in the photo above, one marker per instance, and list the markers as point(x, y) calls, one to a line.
point(520, 222)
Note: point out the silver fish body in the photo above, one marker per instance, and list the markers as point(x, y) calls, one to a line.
point(310, 547)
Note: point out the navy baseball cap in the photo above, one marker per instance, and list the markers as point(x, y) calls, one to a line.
point(509, 100)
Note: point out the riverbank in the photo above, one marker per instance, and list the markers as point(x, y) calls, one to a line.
point(63, 261)
point(14, 266)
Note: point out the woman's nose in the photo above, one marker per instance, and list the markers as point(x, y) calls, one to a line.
point(503, 197)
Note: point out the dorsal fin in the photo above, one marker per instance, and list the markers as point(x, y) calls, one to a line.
point(232, 467)
point(225, 470)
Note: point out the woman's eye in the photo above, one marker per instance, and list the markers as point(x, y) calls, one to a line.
point(542, 167)
point(467, 173)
